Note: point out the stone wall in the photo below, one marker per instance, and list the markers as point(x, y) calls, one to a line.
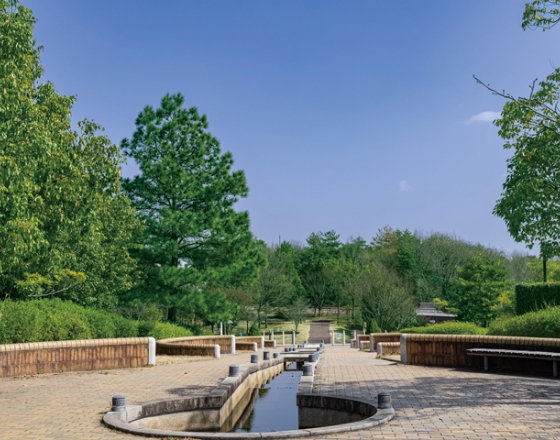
point(83, 355)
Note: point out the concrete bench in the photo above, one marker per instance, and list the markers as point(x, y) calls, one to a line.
point(518, 354)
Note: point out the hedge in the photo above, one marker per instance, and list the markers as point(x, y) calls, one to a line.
point(536, 296)
point(541, 324)
point(56, 320)
point(447, 328)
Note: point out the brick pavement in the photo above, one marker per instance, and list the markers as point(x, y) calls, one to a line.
point(430, 402)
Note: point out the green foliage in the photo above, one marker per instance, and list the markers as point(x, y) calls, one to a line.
point(448, 328)
point(64, 226)
point(541, 13)
point(536, 296)
point(373, 327)
point(542, 324)
point(296, 312)
point(57, 320)
point(163, 330)
point(475, 293)
point(385, 299)
point(185, 196)
point(254, 330)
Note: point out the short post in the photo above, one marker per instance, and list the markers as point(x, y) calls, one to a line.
point(118, 403)
point(232, 344)
point(384, 400)
point(332, 337)
point(371, 342)
point(151, 351)
point(343, 337)
point(356, 337)
point(361, 345)
point(275, 355)
point(254, 346)
point(233, 370)
point(283, 339)
point(274, 344)
point(266, 355)
point(293, 337)
point(221, 328)
point(307, 369)
point(254, 358)
point(216, 351)
point(262, 341)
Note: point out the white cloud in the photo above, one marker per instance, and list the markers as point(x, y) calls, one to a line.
point(484, 117)
point(404, 186)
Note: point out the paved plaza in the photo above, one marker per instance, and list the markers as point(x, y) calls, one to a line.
point(430, 402)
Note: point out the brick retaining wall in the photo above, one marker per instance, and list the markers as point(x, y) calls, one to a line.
point(61, 356)
point(451, 351)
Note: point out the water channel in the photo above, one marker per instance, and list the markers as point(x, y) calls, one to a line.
point(272, 406)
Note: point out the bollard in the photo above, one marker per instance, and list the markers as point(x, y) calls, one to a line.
point(275, 355)
point(262, 341)
point(233, 370)
point(332, 337)
point(283, 339)
point(343, 337)
point(254, 358)
point(216, 351)
point(293, 336)
point(118, 403)
point(221, 328)
point(232, 344)
point(371, 342)
point(318, 348)
point(384, 400)
point(311, 358)
point(361, 347)
point(266, 355)
point(307, 369)
point(356, 336)
point(274, 344)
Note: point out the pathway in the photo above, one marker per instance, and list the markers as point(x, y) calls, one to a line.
point(319, 331)
point(435, 403)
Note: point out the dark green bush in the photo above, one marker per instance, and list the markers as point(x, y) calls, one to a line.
point(541, 324)
point(536, 296)
point(146, 328)
point(57, 320)
point(447, 328)
point(373, 327)
point(254, 330)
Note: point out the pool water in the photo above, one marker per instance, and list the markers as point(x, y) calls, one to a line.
point(273, 406)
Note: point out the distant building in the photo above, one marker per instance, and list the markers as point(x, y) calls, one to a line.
point(429, 313)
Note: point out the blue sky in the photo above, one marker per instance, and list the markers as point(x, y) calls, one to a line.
point(344, 115)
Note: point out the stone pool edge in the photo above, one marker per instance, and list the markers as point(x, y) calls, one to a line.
point(218, 398)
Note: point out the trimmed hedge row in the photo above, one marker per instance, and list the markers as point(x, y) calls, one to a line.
point(447, 328)
point(542, 324)
point(56, 320)
point(531, 297)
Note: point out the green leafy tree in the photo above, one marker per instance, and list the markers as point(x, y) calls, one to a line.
point(313, 268)
point(193, 238)
point(541, 13)
point(296, 312)
point(65, 227)
point(273, 288)
point(475, 294)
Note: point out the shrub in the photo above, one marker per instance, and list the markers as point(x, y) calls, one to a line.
point(162, 330)
point(447, 328)
point(541, 324)
point(146, 328)
point(536, 296)
point(373, 327)
point(57, 320)
point(254, 330)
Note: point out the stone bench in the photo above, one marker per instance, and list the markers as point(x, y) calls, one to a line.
point(518, 354)
point(388, 348)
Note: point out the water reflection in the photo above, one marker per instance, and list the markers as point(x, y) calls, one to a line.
point(269, 410)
